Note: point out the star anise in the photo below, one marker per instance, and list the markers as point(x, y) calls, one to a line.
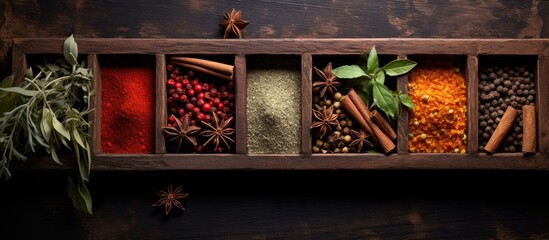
point(324, 120)
point(219, 131)
point(328, 80)
point(233, 23)
point(170, 198)
point(182, 132)
point(361, 138)
point(334, 139)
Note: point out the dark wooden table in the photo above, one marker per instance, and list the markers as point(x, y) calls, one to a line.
point(347, 204)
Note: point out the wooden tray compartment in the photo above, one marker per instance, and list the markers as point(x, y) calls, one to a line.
point(226, 59)
point(131, 97)
point(450, 62)
point(529, 62)
point(320, 62)
point(306, 48)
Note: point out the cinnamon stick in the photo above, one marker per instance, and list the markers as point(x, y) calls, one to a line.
point(528, 129)
point(203, 70)
point(218, 67)
point(383, 124)
point(384, 141)
point(351, 109)
point(501, 130)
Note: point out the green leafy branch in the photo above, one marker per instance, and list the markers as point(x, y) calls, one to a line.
point(368, 80)
point(46, 112)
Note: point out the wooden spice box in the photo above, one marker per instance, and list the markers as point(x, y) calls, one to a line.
point(469, 49)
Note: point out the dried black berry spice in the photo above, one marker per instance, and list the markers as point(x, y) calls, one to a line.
point(499, 88)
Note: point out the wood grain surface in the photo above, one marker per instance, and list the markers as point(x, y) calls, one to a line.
point(328, 203)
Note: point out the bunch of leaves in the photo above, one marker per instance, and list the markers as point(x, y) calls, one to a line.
point(368, 80)
point(47, 112)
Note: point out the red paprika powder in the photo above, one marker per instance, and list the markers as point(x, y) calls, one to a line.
point(127, 108)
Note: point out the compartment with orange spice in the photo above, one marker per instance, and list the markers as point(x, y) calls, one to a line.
point(438, 124)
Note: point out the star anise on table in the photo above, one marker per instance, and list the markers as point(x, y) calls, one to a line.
point(233, 23)
point(182, 132)
point(361, 138)
point(171, 198)
point(218, 132)
point(324, 120)
point(328, 80)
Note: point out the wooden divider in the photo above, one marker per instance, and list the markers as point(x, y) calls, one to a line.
point(402, 124)
point(542, 103)
point(240, 105)
point(95, 130)
point(472, 103)
point(306, 102)
point(160, 103)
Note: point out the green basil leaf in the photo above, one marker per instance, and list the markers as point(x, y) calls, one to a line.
point(380, 77)
point(349, 71)
point(24, 92)
point(383, 98)
point(406, 101)
point(363, 61)
point(364, 96)
point(352, 82)
point(373, 61)
point(396, 103)
point(70, 50)
point(399, 67)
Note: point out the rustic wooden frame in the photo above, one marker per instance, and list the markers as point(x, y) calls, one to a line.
point(306, 48)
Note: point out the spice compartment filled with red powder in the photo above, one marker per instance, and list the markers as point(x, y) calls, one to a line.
point(438, 89)
point(127, 106)
point(201, 104)
point(343, 113)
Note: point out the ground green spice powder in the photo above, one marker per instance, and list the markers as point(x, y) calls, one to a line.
point(274, 104)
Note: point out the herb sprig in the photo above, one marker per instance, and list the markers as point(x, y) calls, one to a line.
point(48, 111)
point(368, 80)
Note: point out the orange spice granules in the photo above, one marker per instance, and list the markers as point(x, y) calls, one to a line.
point(438, 122)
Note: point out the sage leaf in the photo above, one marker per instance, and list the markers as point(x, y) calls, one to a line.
point(59, 128)
point(406, 101)
point(53, 67)
point(53, 154)
point(24, 92)
point(70, 50)
point(76, 136)
point(28, 73)
point(383, 98)
point(349, 71)
point(46, 124)
point(373, 61)
point(80, 196)
point(83, 164)
point(399, 67)
point(6, 83)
